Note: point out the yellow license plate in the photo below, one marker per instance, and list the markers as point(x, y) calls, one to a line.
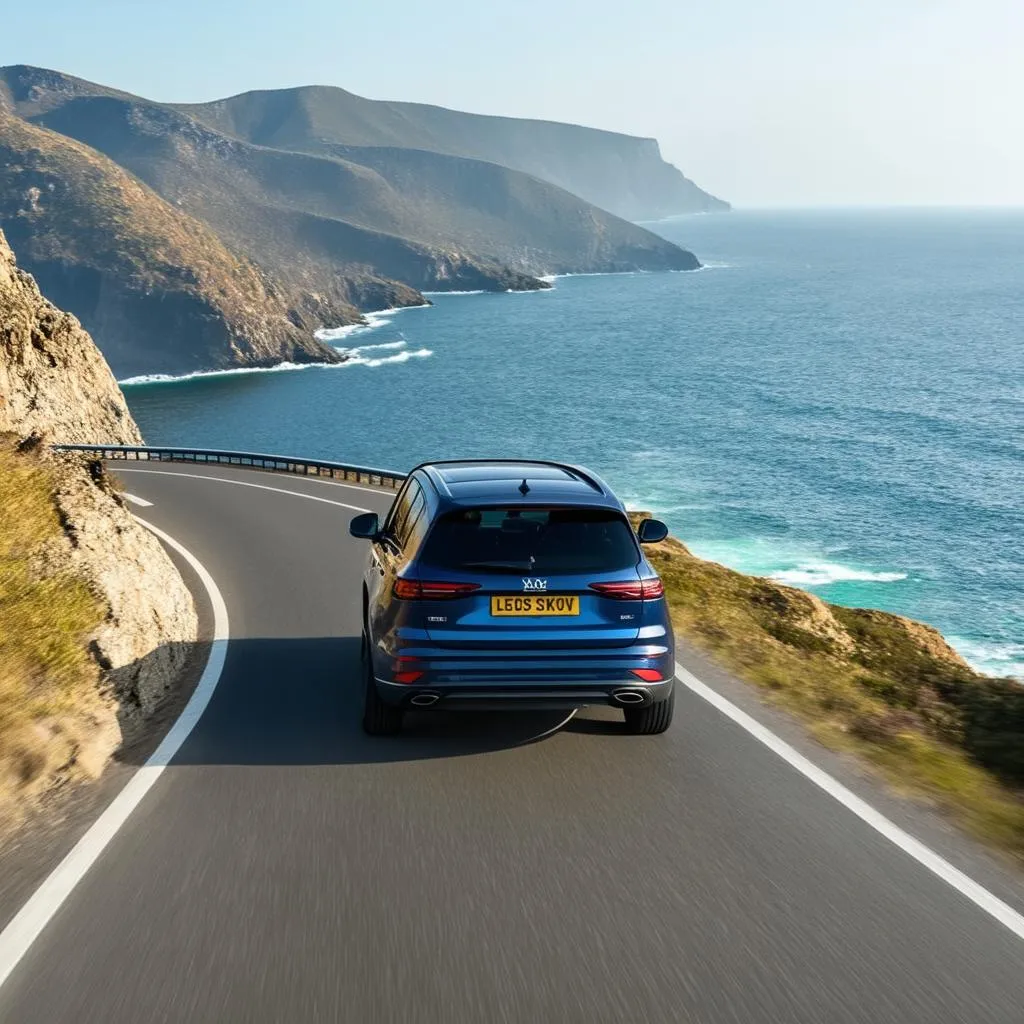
point(535, 604)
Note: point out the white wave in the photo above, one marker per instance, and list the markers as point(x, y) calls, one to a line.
point(994, 659)
point(401, 357)
point(355, 358)
point(596, 273)
point(475, 291)
point(707, 265)
point(373, 320)
point(378, 348)
point(165, 378)
point(820, 574)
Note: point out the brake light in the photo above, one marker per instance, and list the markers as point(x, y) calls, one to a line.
point(418, 590)
point(632, 590)
point(407, 677)
point(648, 675)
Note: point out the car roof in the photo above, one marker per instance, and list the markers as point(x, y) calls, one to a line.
point(500, 481)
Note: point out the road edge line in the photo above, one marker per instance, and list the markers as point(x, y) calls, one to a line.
point(30, 921)
point(259, 487)
point(924, 855)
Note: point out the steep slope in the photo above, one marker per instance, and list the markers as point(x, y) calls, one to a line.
point(620, 173)
point(316, 224)
point(53, 381)
point(157, 287)
point(407, 214)
point(95, 621)
point(427, 218)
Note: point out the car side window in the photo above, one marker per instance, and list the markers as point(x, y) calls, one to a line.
point(403, 518)
point(417, 529)
point(400, 507)
point(415, 509)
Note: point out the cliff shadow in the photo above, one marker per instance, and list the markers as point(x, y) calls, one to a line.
point(298, 701)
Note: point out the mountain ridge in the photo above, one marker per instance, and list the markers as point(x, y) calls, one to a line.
point(305, 118)
point(328, 228)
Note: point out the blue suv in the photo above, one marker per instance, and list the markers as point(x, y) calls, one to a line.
point(512, 584)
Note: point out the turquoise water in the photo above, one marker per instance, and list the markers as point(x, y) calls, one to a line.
point(836, 401)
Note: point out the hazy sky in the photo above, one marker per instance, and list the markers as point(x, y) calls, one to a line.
point(763, 102)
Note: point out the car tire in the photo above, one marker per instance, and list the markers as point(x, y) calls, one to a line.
point(651, 720)
point(379, 717)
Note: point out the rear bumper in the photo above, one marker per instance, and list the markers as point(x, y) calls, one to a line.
point(498, 695)
point(539, 677)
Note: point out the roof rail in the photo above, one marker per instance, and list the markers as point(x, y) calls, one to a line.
point(576, 471)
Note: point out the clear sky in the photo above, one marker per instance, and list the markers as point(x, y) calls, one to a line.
point(763, 102)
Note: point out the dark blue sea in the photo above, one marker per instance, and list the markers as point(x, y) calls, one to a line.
point(836, 401)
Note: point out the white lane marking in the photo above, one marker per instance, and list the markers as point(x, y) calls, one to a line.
point(135, 500)
point(44, 903)
point(926, 857)
point(245, 483)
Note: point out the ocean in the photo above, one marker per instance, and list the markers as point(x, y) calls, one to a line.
point(836, 401)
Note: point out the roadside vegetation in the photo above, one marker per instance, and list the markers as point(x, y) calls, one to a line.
point(47, 676)
point(868, 682)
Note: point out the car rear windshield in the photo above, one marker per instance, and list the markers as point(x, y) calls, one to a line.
point(531, 540)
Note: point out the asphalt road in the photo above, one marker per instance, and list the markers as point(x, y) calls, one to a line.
point(286, 867)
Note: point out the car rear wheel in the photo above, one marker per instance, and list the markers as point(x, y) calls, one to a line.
point(379, 717)
point(651, 720)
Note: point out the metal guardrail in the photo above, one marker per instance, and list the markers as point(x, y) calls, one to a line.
point(253, 460)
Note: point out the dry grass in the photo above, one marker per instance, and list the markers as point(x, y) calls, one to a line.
point(868, 682)
point(46, 672)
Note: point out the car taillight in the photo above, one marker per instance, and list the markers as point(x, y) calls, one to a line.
point(419, 590)
point(648, 675)
point(631, 590)
point(407, 677)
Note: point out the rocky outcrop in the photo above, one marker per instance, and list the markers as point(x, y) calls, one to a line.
point(158, 288)
point(150, 620)
point(53, 380)
point(96, 623)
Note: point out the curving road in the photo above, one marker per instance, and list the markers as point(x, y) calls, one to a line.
point(285, 867)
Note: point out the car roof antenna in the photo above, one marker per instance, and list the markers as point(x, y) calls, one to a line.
point(524, 487)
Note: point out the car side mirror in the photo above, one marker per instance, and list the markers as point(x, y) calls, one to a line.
point(650, 531)
point(365, 526)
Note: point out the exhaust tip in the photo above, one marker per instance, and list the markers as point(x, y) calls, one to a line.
point(629, 697)
point(424, 700)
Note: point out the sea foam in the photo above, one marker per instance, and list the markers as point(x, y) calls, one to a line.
point(358, 359)
point(821, 574)
point(993, 659)
point(373, 320)
point(475, 291)
point(237, 371)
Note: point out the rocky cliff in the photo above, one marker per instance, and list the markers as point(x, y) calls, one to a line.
point(53, 381)
point(95, 621)
point(159, 288)
point(284, 233)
